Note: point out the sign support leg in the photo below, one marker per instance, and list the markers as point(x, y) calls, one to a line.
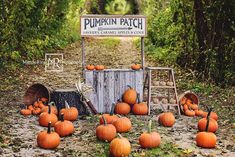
point(83, 54)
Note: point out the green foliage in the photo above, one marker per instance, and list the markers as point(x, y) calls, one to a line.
point(31, 28)
point(198, 39)
point(118, 7)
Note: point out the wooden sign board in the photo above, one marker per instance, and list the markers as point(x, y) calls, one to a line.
point(113, 25)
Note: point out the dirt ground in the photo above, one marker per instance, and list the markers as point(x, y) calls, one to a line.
point(18, 133)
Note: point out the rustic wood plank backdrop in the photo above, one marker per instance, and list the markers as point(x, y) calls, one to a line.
point(110, 84)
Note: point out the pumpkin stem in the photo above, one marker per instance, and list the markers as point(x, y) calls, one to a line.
point(66, 104)
point(119, 116)
point(52, 103)
point(49, 128)
point(62, 117)
point(119, 135)
point(138, 98)
point(208, 119)
point(149, 126)
point(112, 109)
point(104, 120)
point(129, 86)
point(49, 109)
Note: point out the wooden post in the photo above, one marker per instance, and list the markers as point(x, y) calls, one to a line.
point(83, 54)
point(149, 91)
point(142, 52)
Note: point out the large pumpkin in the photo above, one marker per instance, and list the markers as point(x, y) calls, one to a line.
point(70, 113)
point(48, 139)
point(122, 124)
point(106, 132)
point(110, 118)
point(122, 108)
point(206, 139)
point(64, 127)
point(47, 117)
point(213, 125)
point(120, 147)
point(130, 96)
point(140, 108)
point(167, 119)
point(150, 139)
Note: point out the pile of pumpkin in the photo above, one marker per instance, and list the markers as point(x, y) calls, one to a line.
point(48, 117)
point(190, 108)
point(101, 67)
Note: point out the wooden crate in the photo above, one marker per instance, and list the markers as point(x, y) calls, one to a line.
point(110, 84)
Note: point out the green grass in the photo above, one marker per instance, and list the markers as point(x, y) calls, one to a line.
point(110, 42)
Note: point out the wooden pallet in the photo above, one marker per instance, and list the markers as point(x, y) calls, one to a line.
point(149, 87)
point(110, 84)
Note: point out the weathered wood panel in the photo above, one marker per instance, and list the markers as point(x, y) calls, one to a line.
point(110, 84)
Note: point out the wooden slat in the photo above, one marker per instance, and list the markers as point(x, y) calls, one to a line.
point(109, 86)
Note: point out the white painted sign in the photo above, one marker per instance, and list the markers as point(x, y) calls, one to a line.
point(113, 25)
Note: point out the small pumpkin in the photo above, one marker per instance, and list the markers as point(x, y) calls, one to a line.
point(189, 113)
point(135, 66)
point(106, 132)
point(30, 107)
point(194, 106)
point(70, 113)
point(35, 104)
point(212, 115)
point(26, 112)
point(99, 67)
point(140, 108)
point(122, 108)
point(167, 119)
point(130, 96)
point(64, 127)
point(48, 139)
point(199, 112)
point(43, 99)
point(120, 147)
point(206, 139)
point(185, 107)
point(53, 108)
point(122, 124)
point(169, 83)
point(36, 111)
point(150, 139)
point(90, 67)
point(183, 101)
point(46, 117)
point(213, 125)
point(188, 102)
point(162, 83)
point(110, 118)
point(41, 104)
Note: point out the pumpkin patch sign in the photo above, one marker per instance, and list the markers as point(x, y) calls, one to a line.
point(113, 25)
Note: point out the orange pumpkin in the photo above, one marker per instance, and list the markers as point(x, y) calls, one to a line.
point(64, 127)
point(120, 147)
point(43, 99)
point(198, 112)
point(53, 108)
point(122, 108)
point(188, 102)
point(140, 108)
point(189, 113)
point(30, 107)
point(70, 113)
point(206, 139)
point(90, 67)
point(36, 111)
point(41, 104)
point(212, 115)
point(213, 125)
point(194, 106)
point(46, 117)
point(183, 100)
point(150, 139)
point(167, 119)
point(48, 139)
point(26, 112)
point(99, 67)
point(130, 96)
point(105, 132)
point(122, 124)
point(135, 66)
point(110, 118)
point(185, 107)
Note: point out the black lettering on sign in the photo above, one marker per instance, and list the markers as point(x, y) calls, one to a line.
point(94, 22)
